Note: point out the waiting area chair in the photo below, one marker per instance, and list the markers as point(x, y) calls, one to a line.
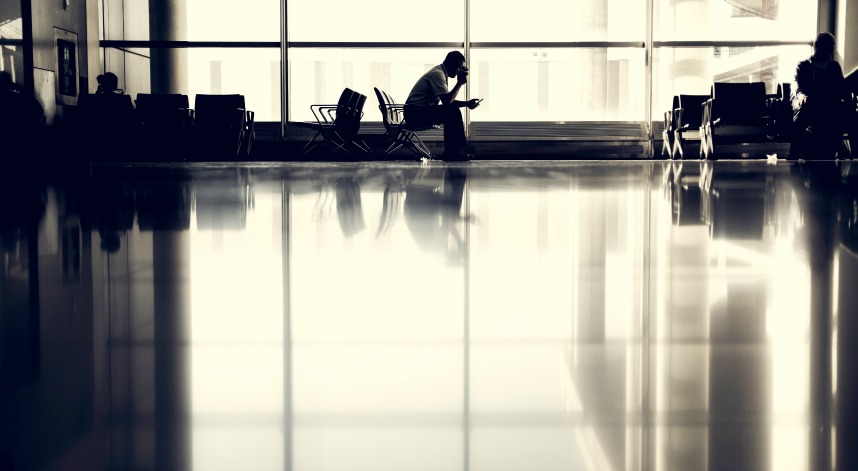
point(105, 122)
point(337, 125)
point(398, 132)
point(779, 108)
point(688, 117)
point(735, 113)
point(221, 126)
point(162, 122)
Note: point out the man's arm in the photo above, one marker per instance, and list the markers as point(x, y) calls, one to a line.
point(449, 98)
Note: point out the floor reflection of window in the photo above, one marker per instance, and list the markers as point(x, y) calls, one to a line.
point(236, 345)
point(377, 326)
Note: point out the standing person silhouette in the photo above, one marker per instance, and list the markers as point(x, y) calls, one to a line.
point(817, 103)
point(431, 102)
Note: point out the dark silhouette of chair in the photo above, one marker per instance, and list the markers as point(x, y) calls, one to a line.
point(337, 124)
point(667, 130)
point(162, 122)
point(222, 126)
point(164, 109)
point(735, 114)
point(780, 110)
point(105, 122)
point(398, 132)
point(688, 116)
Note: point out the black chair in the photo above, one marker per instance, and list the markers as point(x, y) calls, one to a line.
point(105, 122)
point(688, 116)
point(779, 108)
point(735, 114)
point(398, 132)
point(222, 126)
point(337, 124)
point(667, 130)
point(164, 109)
point(162, 122)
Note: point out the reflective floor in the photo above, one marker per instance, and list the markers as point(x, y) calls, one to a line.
point(636, 315)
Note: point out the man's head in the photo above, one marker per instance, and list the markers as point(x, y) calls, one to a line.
point(453, 62)
point(823, 46)
point(109, 81)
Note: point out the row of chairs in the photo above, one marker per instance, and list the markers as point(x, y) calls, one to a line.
point(218, 125)
point(337, 126)
point(732, 113)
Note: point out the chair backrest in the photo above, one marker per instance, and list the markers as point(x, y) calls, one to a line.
point(219, 110)
point(692, 109)
point(784, 91)
point(162, 108)
point(739, 100)
point(105, 102)
point(349, 113)
point(389, 115)
point(162, 101)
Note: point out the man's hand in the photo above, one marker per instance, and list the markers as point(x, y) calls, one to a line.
point(474, 102)
point(462, 76)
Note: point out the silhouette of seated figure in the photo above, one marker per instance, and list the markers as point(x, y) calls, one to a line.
point(432, 214)
point(818, 102)
point(21, 117)
point(107, 84)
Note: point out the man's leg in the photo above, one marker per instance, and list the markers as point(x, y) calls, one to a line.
point(448, 116)
point(454, 130)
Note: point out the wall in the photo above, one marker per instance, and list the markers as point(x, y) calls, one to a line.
point(47, 15)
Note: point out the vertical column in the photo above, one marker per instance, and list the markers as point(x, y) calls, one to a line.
point(168, 69)
point(171, 276)
point(846, 415)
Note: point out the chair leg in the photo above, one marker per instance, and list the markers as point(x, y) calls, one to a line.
point(308, 147)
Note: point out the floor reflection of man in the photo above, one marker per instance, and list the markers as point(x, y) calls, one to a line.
point(432, 213)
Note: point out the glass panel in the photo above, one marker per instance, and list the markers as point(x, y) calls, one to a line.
point(558, 20)
point(734, 20)
point(230, 20)
point(692, 70)
point(376, 20)
point(582, 84)
point(318, 76)
point(254, 73)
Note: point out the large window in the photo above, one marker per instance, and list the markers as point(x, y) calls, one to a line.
point(534, 61)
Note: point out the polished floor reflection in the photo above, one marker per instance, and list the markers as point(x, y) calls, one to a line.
point(639, 315)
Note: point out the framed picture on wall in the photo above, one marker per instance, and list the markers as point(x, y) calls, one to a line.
point(66, 53)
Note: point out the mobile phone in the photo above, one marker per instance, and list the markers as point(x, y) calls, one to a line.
point(480, 99)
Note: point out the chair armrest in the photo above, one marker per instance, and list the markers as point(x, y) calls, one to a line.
point(324, 114)
point(707, 109)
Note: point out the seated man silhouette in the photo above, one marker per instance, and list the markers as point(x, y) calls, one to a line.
point(431, 102)
point(107, 84)
point(818, 102)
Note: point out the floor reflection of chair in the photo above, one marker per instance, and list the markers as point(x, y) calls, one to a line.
point(349, 208)
point(164, 207)
point(222, 204)
point(685, 194)
point(734, 202)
